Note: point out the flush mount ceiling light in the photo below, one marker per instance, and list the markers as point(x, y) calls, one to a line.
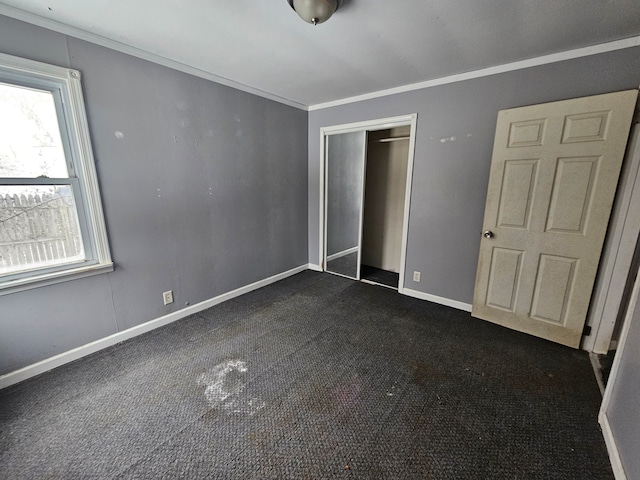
point(315, 11)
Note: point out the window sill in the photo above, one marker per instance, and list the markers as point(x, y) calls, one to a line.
point(42, 280)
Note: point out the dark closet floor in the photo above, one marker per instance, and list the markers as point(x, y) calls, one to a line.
point(313, 377)
point(377, 275)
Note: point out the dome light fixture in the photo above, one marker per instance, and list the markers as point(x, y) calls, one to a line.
point(315, 11)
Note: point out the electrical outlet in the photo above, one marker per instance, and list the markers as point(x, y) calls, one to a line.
point(416, 276)
point(167, 297)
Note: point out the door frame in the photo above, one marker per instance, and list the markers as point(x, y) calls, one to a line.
point(631, 314)
point(369, 126)
point(623, 234)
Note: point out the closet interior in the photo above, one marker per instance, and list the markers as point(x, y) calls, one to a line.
point(366, 181)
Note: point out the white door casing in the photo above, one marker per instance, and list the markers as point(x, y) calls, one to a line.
point(612, 283)
point(553, 179)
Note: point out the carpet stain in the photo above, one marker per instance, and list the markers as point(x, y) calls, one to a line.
point(347, 394)
point(424, 373)
point(224, 388)
point(210, 416)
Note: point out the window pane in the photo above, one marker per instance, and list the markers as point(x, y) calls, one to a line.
point(30, 143)
point(38, 227)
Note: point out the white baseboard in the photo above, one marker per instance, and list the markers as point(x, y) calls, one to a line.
point(343, 253)
point(29, 371)
point(612, 447)
point(435, 299)
point(315, 268)
point(597, 370)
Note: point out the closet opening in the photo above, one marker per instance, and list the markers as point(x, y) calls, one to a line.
point(366, 188)
point(384, 194)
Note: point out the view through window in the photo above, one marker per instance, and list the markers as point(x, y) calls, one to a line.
point(51, 222)
point(39, 221)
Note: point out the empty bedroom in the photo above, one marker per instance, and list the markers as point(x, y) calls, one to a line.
point(315, 239)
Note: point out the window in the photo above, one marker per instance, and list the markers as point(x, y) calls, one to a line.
point(51, 220)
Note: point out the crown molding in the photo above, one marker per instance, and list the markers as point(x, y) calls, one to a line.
point(59, 27)
point(121, 47)
point(485, 72)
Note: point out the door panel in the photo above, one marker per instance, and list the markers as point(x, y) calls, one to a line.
point(571, 195)
point(504, 278)
point(345, 164)
point(552, 291)
point(552, 183)
point(517, 193)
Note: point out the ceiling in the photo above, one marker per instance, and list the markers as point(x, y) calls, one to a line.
point(367, 46)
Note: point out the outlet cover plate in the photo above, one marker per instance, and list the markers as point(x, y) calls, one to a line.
point(167, 297)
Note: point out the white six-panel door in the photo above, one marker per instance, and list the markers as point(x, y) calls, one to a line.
point(552, 183)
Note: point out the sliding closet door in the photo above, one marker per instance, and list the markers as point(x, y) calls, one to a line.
point(344, 194)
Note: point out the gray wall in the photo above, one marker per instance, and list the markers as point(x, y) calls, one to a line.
point(623, 410)
point(450, 178)
point(206, 192)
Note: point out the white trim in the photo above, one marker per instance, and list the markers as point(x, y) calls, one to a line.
point(160, 60)
point(609, 437)
point(597, 370)
point(75, 32)
point(363, 186)
point(407, 201)
point(343, 253)
point(81, 139)
point(322, 241)
point(377, 284)
point(612, 448)
point(49, 24)
point(315, 268)
point(485, 72)
point(435, 299)
point(42, 280)
point(618, 252)
point(76, 353)
point(39, 69)
point(375, 124)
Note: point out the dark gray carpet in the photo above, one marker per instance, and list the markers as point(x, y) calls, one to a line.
point(314, 377)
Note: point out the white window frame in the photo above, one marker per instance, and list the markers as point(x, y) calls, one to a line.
point(74, 129)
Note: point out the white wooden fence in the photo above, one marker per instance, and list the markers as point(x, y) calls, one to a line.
point(38, 230)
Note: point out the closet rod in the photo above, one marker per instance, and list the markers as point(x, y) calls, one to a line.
point(392, 139)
